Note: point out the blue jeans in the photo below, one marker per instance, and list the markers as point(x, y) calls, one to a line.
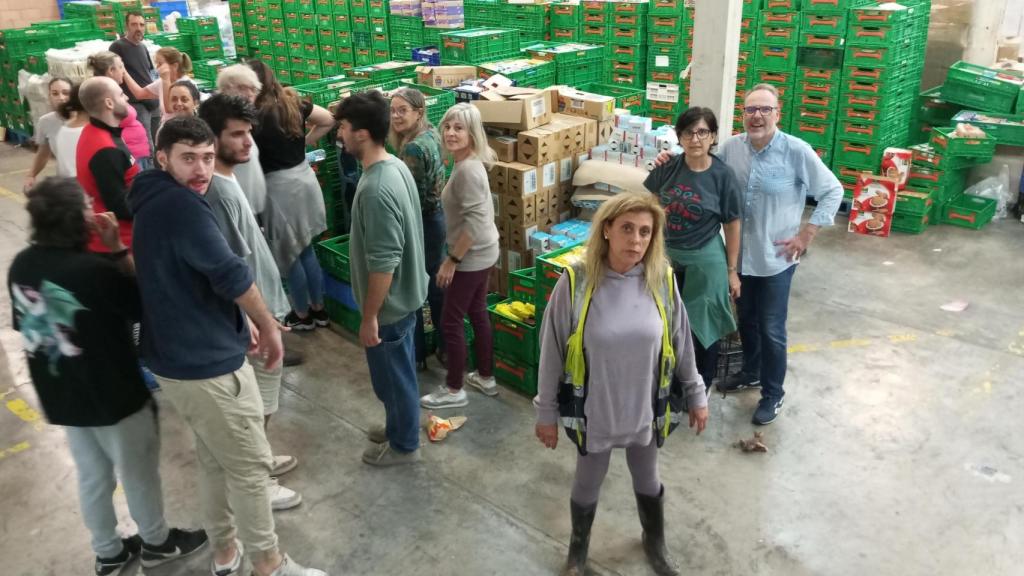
point(393, 375)
point(306, 282)
point(763, 308)
point(433, 249)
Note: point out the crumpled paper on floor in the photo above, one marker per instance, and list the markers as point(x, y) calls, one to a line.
point(438, 428)
point(755, 444)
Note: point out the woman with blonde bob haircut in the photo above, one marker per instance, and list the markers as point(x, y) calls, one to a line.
point(472, 252)
point(614, 335)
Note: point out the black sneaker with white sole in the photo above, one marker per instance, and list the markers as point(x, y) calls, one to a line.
point(738, 382)
point(320, 317)
point(767, 410)
point(293, 321)
point(180, 543)
point(129, 551)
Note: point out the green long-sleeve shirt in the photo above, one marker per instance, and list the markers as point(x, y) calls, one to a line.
point(387, 237)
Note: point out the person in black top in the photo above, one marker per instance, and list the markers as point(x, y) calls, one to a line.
point(74, 311)
point(294, 215)
point(139, 65)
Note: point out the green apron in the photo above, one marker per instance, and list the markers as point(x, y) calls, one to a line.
point(705, 290)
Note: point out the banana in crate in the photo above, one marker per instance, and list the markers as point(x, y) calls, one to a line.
point(520, 311)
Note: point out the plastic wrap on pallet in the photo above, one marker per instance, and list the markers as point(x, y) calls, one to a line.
point(444, 14)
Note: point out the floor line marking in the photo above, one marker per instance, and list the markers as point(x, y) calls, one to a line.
point(12, 450)
point(26, 413)
point(19, 198)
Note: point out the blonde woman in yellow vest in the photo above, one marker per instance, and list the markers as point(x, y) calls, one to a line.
point(613, 336)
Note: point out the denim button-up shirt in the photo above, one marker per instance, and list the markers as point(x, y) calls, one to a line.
point(776, 182)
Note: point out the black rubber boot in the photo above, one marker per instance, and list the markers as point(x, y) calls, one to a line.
point(582, 520)
point(652, 518)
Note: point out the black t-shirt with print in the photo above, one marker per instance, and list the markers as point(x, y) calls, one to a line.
point(75, 312)
point(279, 151)
point(696, 203)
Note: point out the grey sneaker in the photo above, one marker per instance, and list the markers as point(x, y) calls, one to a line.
point(232, 568)
point(377, 434)
point(289, 567)
point(444, 398)
point(283, 465)
point(282, 498)
point(382, 455)
point(486, 385)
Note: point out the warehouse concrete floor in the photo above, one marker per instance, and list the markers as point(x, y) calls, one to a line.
point(898, 451)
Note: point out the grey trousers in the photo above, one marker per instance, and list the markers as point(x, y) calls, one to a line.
point(130, 450)
point(592, 468)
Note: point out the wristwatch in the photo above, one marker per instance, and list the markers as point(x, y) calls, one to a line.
point(454, 259)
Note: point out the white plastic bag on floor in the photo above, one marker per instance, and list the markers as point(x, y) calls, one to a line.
point(997, 188)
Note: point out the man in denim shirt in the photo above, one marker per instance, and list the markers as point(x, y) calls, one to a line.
point(777, 172)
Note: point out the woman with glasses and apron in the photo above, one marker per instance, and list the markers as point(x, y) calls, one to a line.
point(701, 195)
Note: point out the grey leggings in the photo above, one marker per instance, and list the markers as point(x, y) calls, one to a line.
point(591, 469)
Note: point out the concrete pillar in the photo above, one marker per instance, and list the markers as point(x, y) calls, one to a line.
point(716, 46)
point(983, 34)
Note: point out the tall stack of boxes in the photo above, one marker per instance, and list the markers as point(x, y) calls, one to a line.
point(879, 84)
point(669, 49)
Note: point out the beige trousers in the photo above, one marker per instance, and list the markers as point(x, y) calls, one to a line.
point(226, 416)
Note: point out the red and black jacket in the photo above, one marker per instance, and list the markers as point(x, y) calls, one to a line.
point(105, 170)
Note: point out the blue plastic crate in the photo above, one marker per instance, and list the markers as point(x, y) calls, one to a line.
point(340, 292)
point(428, 55)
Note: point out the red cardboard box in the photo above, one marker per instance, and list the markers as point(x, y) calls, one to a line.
point(896, 164)
point(875, 193)
point(870, 223)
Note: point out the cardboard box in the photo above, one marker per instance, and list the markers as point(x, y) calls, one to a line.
point(578, 103)
point(896, 164)
point(444, 76)
point(566, 166)
point(520, 110)
point(519, 211)
point(543, 201)
point(875, 193)
point(502, 227)
point(572, 133)
point(870, 223)
point(538, 146)
point(549, 174)
point(604, 131)
point(497, 177)
point(521, 180)
point(504, 147)
point(519, 243)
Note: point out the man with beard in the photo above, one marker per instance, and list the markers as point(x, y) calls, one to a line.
point(201, 313)
point(231, 119)
point(105, 167)
point(140, 66)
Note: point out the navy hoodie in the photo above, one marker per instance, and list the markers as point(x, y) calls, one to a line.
point(189, 279)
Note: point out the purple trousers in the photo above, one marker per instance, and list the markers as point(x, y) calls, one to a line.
point(467, 294)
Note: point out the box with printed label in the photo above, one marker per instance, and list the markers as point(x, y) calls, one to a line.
point(538, 146)
point(504, 147)
point(896, 164)
point(521, 179)
point(870, 223)
point(586, 104)
point(549, 174)
point(875, 193)
point(444, 76)
point(522, 111)
point(604, 130)
point(497, 177)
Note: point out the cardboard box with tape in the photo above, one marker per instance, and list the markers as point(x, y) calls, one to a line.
point(444, 76)
point(519, 210)
point(577, 103)
point(516, 108)
point(538, 146)
point(521, 179)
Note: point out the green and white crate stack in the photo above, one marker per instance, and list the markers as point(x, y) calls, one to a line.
point(669, 49)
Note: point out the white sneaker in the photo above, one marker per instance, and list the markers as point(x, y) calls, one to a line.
point(231, 568)
point(443, 398)
point(283, 465)
point(282, 498)
point(486, 385)
point(289, 567)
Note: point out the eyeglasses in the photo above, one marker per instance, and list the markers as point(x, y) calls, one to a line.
point(701, 134)
point(400, 111)
point(764, 110)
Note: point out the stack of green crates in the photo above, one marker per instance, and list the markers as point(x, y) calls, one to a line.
point(236, 11)
point(938, 174)
point(407, 33)
point(745, 68)
point(208, 69)
point(183, 42)
point(386, 71)
point(121, 8)
point(531, 20)
point(932, 111)
point(575, 63)
point(371, 41)
point(205, 34)
point(815, 91)
point(334, 29)
point(516, 343)
point(669, 49)
point(566, 18)
point(101, 15)
point(474, 45)
point(879, 85)
point(623, 25)
point(984, 89)
point(777, 39)
point(483, 13)
point(525, 72)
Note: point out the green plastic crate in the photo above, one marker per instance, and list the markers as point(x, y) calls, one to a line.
point(631, 99)
point(524, 72)
point(478, 45)
point(594, 33)
point(909, 223)
point(566, 15)
point(781, 36)
point(969, 211)
point(775, 58)
point(563, 53)
point(569, 34)
point(914, 202)
point(666, 7)
point(812, 132)
point(198, 25)
point(342, 315)
point(522, 285)
point(334, 257)
point(779, 19)
point(515, 339)
point(514, 374)
point(983, 89)
point(946, 142)
point(1003, 128)
point(578, 74)
point(665, 24)
point(828, 23)
point(386, 71)
point(631, 36)
point(890, 15)
point(524, 16)
point(859, 154)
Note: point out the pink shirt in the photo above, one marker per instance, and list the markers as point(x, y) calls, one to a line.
point(134, 135)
